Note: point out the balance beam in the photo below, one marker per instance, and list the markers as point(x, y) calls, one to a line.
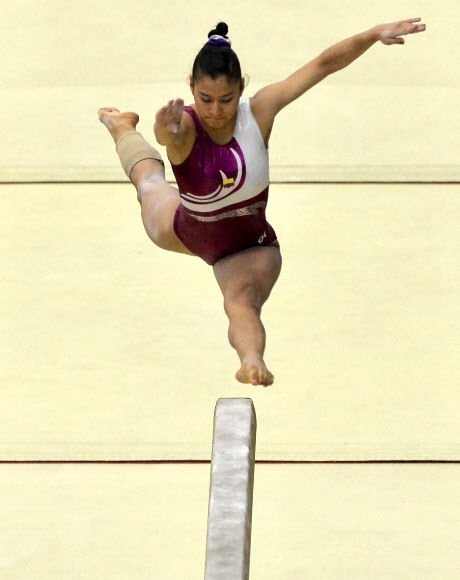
point(228, 543)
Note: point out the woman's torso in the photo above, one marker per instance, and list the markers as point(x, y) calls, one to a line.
point(216, 176)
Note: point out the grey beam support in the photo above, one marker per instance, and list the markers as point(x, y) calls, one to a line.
point(228, 545)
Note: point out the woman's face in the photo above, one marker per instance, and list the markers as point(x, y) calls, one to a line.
point(216, 101)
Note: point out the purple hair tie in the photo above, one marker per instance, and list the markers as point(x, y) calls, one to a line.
point(217, 40)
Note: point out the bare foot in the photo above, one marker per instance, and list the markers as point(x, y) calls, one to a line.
point(118, 123)
point(255, 372)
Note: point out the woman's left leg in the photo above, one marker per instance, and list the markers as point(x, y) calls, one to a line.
point(246, 280)
point(143, 166)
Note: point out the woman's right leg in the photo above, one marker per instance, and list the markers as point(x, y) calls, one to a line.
point(157, 198)
point(246, 280)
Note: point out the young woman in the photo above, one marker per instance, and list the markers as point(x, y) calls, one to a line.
point(218, 151)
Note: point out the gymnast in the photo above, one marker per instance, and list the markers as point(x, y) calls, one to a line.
point(218, 150)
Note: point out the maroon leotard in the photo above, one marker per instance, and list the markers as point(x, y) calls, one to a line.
point(224, 191)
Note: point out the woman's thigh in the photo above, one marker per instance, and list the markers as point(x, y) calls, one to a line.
point(159, 202)
point(250, 274)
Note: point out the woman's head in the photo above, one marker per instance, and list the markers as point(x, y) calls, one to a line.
point(217, 58)
point(216, 81)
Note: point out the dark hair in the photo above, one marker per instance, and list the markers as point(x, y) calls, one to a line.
point(217, 60)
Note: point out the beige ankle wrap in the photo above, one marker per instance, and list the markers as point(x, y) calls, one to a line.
point(132, 148)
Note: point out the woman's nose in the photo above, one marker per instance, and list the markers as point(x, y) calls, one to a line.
point(216, 109)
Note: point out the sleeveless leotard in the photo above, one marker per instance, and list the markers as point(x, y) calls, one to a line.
point(224, 191)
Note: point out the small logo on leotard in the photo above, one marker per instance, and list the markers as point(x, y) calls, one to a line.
point(262, 237)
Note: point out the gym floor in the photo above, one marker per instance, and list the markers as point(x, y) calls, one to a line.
point(117, 351)
point(114, 352)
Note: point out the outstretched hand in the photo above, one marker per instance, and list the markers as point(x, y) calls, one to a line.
point(391, 33)
point(169, 117)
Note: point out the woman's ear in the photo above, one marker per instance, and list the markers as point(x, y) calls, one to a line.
point(191, 84)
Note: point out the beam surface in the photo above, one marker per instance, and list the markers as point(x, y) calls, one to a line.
point(228, 544)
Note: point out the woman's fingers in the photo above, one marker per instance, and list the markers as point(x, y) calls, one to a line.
point(171, 114)
point(391, 33)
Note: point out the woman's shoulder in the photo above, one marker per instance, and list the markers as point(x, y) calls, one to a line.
point(192, 120)
point(263, 116)
point(245, 111)
point(244, 105)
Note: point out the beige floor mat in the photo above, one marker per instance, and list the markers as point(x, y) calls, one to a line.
point(113, 349)
point(328, 522)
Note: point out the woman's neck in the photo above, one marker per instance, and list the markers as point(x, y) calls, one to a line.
point(221, 135)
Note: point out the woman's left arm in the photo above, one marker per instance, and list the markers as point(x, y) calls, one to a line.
point(271, 99)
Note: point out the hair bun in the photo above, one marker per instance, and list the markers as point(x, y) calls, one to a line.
point(221, 29)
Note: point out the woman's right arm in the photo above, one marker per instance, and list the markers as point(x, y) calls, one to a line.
point(175, 131)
